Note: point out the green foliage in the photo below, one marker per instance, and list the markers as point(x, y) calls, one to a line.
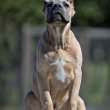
point(91, 13)
point(8, 46)
point(9, 62)
point(21, 11)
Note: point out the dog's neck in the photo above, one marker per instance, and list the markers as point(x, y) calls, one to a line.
point(58, 35)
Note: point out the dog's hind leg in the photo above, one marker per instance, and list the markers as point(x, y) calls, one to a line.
point(31, 102)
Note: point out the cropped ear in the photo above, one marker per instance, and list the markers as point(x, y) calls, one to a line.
point(45, 3)
point(71, 1)
point(46, 0)
point(72, 12)
point(72, 7)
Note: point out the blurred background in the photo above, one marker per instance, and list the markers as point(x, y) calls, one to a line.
point(21, 25)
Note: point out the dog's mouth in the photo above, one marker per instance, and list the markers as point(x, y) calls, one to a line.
point(58, 16)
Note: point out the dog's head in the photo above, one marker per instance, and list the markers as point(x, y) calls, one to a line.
point(58, 11)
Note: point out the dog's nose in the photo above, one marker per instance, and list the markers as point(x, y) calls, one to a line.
point(57, 6)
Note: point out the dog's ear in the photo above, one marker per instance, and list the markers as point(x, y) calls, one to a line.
point(71, 1)
point(72, 7)
point(47, 1)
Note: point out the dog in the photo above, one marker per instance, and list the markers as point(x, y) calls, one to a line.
point(57, 80)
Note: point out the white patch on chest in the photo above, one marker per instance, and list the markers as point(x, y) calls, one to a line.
point(61, 74)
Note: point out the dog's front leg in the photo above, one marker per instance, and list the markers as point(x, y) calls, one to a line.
point(48, 104)
point(45, 98)
point(75, 88)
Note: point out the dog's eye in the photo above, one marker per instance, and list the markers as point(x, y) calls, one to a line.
point(50, 4)
point(66, 4)
point(45, 3)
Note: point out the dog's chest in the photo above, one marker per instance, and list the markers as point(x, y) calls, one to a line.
point(60, 67)
point(60, 73)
